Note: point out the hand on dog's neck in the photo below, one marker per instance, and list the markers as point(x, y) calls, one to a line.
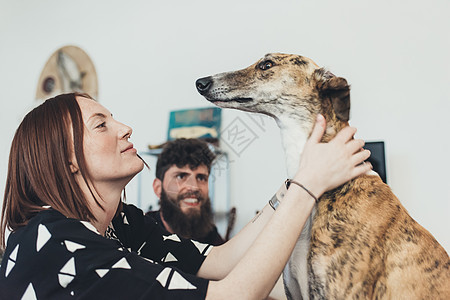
point(295, 131)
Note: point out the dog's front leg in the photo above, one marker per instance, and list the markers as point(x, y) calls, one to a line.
point(295, 274)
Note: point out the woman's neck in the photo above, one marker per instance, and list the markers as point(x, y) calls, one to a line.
point(108, 195)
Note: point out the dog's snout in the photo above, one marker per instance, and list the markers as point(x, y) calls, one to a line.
point(203, 84)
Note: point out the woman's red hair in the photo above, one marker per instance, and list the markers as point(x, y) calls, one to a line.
point(39, 173)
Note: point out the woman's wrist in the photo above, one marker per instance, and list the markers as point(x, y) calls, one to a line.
point(275, 201)
point(298, 197)
point(313, 185)
point(290, 182)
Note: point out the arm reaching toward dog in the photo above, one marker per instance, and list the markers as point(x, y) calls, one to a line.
point(248, 266)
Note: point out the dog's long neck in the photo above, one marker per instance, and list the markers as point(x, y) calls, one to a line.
point(294, 135)
point(295, 131)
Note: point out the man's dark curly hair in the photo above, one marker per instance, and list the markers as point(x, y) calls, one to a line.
point(184, 152)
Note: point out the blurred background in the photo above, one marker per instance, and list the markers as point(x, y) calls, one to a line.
point(148, 54)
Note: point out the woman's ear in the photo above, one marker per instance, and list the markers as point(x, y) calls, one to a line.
point(73, 168)
point(157, 186)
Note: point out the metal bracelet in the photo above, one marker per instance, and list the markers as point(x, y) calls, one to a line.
point(274, 202)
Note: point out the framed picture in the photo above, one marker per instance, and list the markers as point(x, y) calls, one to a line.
point(202, 123)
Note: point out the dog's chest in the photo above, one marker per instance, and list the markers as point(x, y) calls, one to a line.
point(329, 253)
point(342, 244)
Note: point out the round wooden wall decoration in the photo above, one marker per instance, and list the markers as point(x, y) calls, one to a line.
point(69, 69)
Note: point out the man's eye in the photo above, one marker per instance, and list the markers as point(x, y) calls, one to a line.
point(265, 65)
point(181, 176)
point(202, 178)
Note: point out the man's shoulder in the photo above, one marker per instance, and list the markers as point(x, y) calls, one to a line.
point(152, 213)
point(155, 214)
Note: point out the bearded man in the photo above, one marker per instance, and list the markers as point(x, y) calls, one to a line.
point(181, 184)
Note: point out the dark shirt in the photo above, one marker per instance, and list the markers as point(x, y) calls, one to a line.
point(54, 257)
point(213, 237)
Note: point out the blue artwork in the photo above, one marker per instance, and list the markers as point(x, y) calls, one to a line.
point(195, 123)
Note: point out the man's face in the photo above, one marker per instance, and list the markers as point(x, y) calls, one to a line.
point(187, 188)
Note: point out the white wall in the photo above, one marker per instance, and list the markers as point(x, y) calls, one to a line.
point(148, 55)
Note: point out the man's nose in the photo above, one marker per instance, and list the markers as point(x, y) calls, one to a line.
point(191, 183)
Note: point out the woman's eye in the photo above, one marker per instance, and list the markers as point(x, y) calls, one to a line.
point(265, 65)
point(101, 125)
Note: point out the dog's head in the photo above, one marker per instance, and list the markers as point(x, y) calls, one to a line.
point(280, 85)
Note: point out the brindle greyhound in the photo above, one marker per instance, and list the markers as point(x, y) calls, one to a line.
point(360, 242)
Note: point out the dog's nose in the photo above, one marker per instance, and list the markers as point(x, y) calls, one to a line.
point(203, 84)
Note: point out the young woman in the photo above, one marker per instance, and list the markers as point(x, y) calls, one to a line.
point(72, 237)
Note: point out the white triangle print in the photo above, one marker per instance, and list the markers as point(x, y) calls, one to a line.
point(10, 265)
point(125, 220)
point(72, 246)
point(64, 279)
point(140, 248)
point(121, 264)
point(69, 267)
point(11, 262)
point(172, 237)
point(13, 255)
point(178, 282)
point(148, 259)
point(208, 250)
point(29, 294)
point(43, 236)
point(200, 246)
point(89, 226)
point(162, 277)
point(169, 257)
point(102, 272)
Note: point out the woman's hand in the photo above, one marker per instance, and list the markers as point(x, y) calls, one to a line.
point(324, 166)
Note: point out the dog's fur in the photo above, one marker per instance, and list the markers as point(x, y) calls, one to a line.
point(360, 242)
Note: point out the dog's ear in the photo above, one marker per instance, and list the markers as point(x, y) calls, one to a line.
point(338, 91)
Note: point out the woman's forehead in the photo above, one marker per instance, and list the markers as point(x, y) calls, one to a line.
point(91, 108)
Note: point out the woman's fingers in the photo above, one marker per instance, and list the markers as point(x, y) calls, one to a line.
point(361, 169)
point(355, 145)
point(360, 157)
point(345, 135)
point(318, 130)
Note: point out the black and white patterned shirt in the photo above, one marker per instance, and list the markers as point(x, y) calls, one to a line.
point(55, 257)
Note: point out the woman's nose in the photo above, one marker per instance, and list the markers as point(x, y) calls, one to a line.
point(125, 132)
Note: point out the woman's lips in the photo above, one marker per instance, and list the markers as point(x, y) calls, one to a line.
point(130, 149)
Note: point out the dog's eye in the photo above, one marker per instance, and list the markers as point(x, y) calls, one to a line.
point(265, 65)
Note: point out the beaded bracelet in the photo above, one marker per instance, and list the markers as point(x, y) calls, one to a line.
point(289, 181)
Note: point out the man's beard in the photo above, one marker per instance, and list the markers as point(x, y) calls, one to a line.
point(194, 225)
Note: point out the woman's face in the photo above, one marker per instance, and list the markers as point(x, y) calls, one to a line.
point(110, 157)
